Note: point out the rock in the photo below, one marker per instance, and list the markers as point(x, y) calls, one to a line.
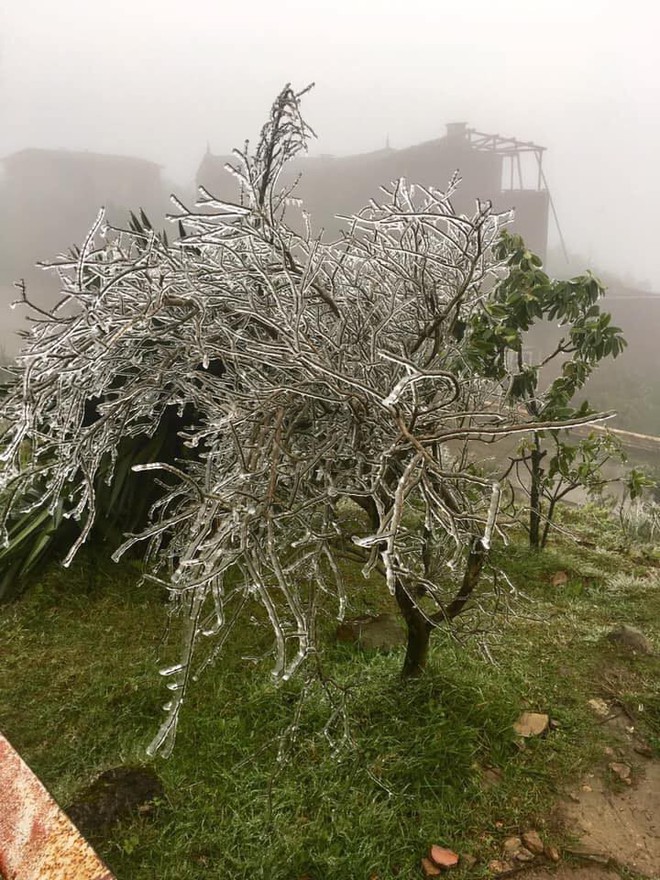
point(630, 638)
point(552, 853)
point(599, 706)
point(621, 770)
point(117, 794)
point(381, 633)
point(443, 858)
point(586, 852)
point(512, 845)
point(559, 579)
point(532, 841)
point(643, 749)
point(429, 869)
point(497, 866)
point(531, 724)
point(524, 855)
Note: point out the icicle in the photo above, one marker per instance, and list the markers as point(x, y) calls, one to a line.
point(164, 740)
point(172, 670)
point(492, 516)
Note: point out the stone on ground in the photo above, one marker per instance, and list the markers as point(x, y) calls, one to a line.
point(430, 869)
point(599, 706)
point(630, 638)
point(552, 853)
point(621, 770)
point(443, 858)
point(512, 845)
point(532, 841)
point(531, 724)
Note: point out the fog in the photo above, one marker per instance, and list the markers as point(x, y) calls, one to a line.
point(160, 80)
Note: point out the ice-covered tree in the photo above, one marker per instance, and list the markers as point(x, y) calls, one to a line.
point(308, 374)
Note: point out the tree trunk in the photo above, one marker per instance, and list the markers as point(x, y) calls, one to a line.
point(535, 495)
point(419, 631)
point(417, 624)
point(473, 567)
point(548, 521)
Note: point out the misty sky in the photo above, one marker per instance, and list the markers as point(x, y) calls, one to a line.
point(160, 78)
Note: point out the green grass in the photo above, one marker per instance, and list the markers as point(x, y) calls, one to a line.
point(79, 692)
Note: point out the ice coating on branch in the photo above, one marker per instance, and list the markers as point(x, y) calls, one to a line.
point(396, 392)
point(305, 374)
point(368, 541)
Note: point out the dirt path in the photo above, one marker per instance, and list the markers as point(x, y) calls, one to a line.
point(615, 811)
point(564, 872)
point(621, 824)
